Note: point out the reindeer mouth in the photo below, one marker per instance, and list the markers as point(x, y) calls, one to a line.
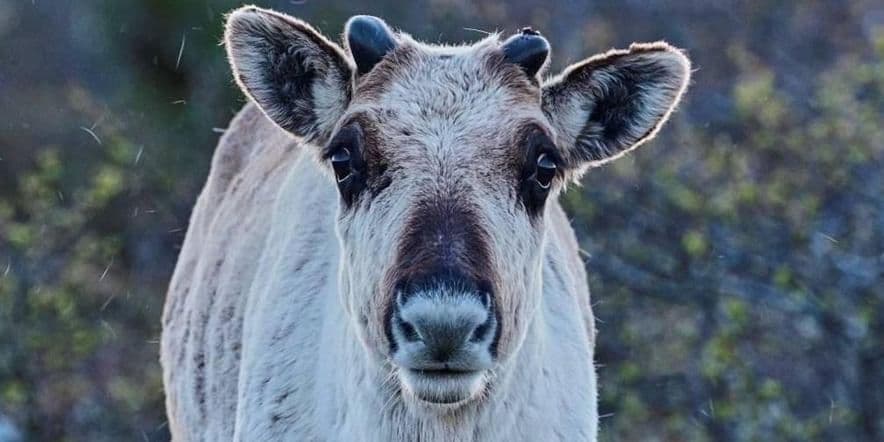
point(447, 387)
point(442, 334)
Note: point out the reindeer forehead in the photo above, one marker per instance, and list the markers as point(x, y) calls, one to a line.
point(463, 89)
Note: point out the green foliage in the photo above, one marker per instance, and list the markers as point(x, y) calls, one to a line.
point(778, 232)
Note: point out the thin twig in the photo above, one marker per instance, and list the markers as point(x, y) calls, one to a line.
point(90, 132)
point(181, 50)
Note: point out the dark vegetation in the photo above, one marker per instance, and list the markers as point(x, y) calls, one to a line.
point(737, 262)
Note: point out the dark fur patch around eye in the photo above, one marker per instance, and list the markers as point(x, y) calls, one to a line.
point(371, 171)
point(530, 144)
point(378, 178)
point(349, 138)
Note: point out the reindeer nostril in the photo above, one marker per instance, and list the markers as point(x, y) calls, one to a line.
point(485, 298)
point(408, 331)
point(482, 331)
point(439, 324)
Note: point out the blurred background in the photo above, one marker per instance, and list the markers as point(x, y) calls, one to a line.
point(737, 262)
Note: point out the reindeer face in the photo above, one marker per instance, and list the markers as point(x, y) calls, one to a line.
point(445, 159)
point(441, 218)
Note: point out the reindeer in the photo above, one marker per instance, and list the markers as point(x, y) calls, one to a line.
point(379, 253)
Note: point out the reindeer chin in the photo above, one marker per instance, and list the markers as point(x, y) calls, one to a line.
point(442, 389)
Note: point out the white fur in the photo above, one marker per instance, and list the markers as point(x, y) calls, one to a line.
point(297, 337)
point(273, 327)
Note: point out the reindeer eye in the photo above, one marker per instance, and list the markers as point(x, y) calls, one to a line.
point(344, 154)
point(546, 171)
point(539, 170)
point(340, 161)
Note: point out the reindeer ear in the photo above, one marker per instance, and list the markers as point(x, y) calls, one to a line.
point(301, 80)
point(609, 104)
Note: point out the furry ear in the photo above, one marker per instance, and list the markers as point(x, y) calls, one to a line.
point(301, 80)
point(609, 104)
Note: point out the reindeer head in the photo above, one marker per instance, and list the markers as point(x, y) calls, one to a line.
point(445, 159)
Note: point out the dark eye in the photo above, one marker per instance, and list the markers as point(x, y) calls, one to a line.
point(539, 170)
point(340, 161)
point(546, 171)
point(344, 155)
